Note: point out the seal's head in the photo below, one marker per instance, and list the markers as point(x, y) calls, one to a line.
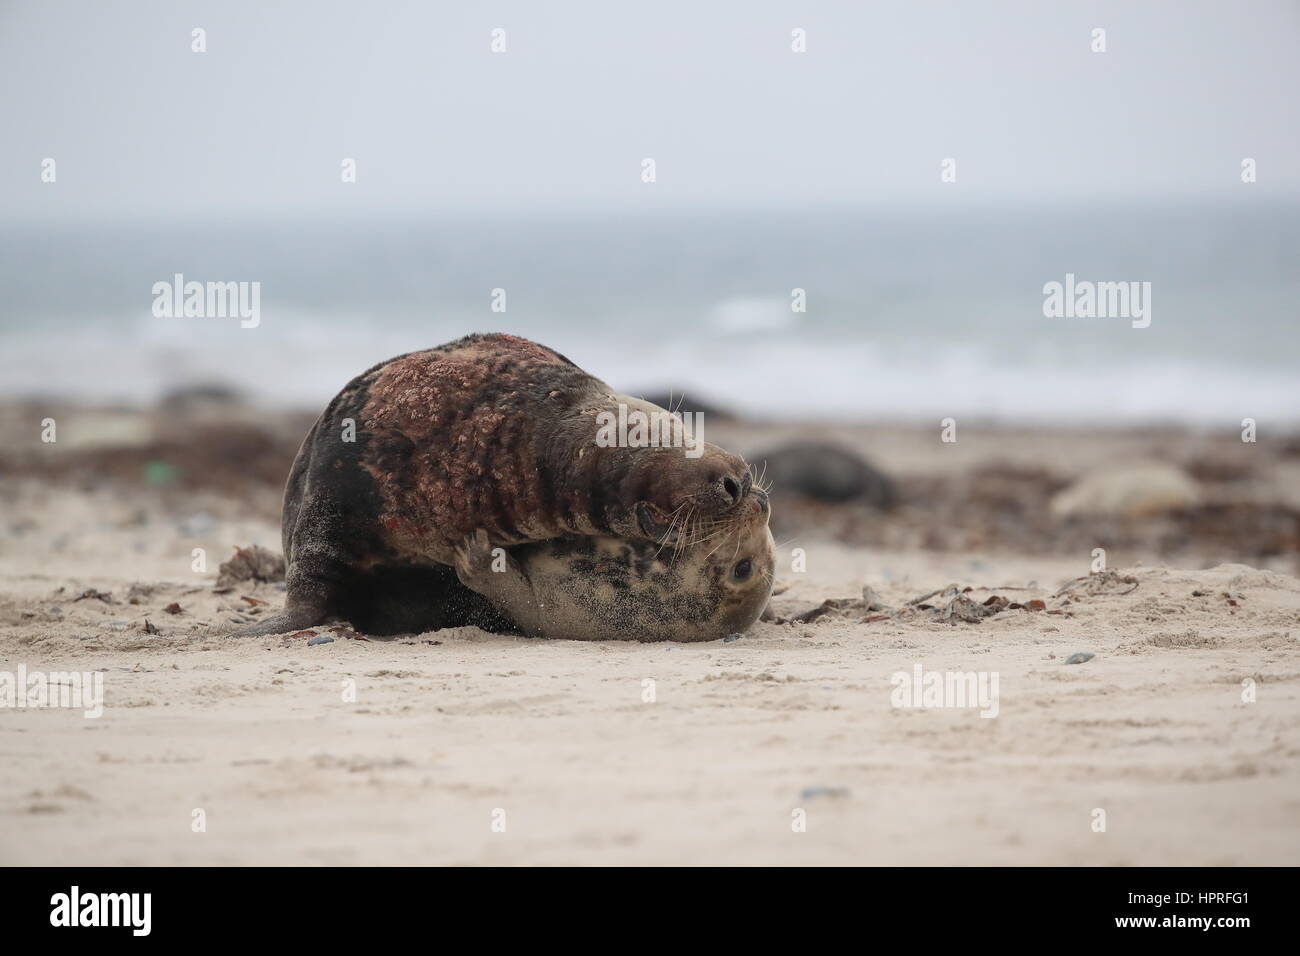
point(648, 469)
point(699, 580)
point(741, 561)
point(730, 557)
point(684, 501)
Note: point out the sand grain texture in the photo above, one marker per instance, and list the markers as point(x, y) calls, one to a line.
point(449, 727)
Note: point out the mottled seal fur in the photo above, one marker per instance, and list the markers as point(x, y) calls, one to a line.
point(492, 433)
point(602, 588)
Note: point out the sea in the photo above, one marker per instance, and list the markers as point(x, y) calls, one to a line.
point(857, 313)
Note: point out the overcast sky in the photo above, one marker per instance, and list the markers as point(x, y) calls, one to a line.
point(259, 124)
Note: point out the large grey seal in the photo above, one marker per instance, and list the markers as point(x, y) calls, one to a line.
point(492, 433)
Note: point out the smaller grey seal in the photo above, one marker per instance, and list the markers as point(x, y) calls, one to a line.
point(825, 472)
point(602, 588)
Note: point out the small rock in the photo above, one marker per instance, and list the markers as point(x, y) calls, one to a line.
point(732, 637)
point(1079, 658)
point(812, 793)
point(197, 524)
point(320, 640)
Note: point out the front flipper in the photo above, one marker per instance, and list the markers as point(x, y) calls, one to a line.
point(493, 573)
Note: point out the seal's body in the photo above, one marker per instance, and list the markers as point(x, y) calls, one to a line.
point(492, 433)
point(826, 472)
point(602, 588)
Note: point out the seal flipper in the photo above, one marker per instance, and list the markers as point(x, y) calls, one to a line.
point(292, 618)
point(325, 523)
point(507, 588)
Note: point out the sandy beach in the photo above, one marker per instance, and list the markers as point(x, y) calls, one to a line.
point(782, 747)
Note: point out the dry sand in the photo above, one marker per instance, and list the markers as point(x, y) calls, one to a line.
point(450, 728)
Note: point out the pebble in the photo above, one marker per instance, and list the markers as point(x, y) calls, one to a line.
point(197, 524)
point(1079, 658)
point(809, 793)
point(320, 640)
point(732, 637)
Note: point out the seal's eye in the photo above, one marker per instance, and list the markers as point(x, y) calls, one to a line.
point(742, 569)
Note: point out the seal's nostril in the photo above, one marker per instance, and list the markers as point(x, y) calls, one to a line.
point(732, 488)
